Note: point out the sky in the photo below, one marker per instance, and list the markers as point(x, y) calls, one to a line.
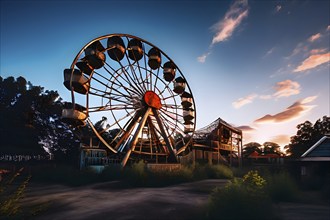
point(262, 66)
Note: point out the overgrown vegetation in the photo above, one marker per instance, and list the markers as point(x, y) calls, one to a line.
point(252, 196)
point(12, 190)
point(135, 175)
point(244, 198)
point(281, 187)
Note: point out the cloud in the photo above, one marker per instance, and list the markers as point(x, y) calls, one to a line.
point(233, 18)
point(313, 61)
point(278, 8)
point(292, 112)
point(225, 27)
point(328, 28)
point(202, 58)
point(286, 88)
point(246, 128)
point(281, 139)
point(314, 37)
point(244, 101)
point(265, 97)
point(317, 51)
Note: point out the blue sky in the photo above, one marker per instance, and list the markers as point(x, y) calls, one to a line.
point(263, 65)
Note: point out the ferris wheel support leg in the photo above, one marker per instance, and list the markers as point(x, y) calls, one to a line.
point(172, 157)
point(135, 137)
point(128, 130)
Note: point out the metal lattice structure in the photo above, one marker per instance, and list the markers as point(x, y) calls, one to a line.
point(141, 95)
point(218, 141)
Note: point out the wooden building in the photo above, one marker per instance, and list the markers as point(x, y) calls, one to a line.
point(217, 143)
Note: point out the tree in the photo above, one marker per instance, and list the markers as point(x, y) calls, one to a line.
point(271, 148)
point(251, 147)
point(307, 135)
point(30, 120)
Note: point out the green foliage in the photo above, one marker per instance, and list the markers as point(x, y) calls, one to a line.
point(281, 187)
point(307, 135)
point(241, 199)
point(207, 171)
point(137, 174)
point(10, 195)
point(31, 119)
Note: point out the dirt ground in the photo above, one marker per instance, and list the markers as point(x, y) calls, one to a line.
point(112, 200)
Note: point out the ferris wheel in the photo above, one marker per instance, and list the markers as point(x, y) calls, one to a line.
point(138, 91)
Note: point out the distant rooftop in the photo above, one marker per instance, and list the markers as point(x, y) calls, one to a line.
point(320, 151)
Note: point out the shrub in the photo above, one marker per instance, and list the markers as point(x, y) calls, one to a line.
point(281, 187)
point(212, 171)
point(11, 196)
point(137, 174)
point(241, 199)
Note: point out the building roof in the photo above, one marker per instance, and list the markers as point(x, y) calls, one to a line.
point(211, 127)
point(320, 151)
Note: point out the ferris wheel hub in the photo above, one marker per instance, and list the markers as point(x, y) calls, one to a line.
point(151, 99)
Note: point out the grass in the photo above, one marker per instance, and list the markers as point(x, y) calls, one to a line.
point(135, 175)
point(12, 190)
point(281, 187)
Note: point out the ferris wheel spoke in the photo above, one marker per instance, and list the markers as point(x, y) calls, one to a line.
point(135, 78)
point(137, 62)
point(134, 74)
point(106, 108)
point(172, 106)
point(129, 114)
point(111, 88)
point(119, 84)
point(171, 131)
point(155, 84)
point(172, 115)
point(171, 96)
point(107, 96)
point(136, 87)
point(166, 87)
point(172, 122)
point(173, 127)
point(100, 137)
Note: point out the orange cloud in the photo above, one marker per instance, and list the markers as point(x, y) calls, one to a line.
point(292, 112)
point(314, 37)
point(244, 101)
point(317, 51)
point(246, 128)
point(286, 88)
point(280, 139)
point(233, 18)
point(313, 61)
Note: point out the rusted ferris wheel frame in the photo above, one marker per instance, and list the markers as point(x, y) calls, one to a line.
point(152, 114)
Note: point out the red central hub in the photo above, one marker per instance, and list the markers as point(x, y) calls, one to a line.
point(152, 100)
